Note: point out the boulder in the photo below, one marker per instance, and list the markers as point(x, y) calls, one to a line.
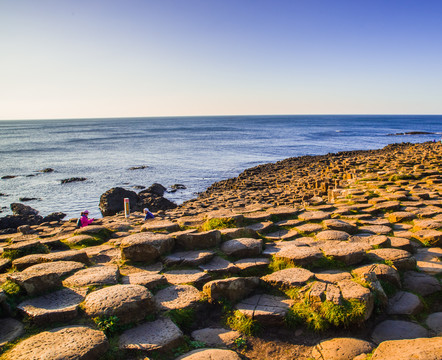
point(189, 258)
point(332, 235)
point(212, 354)
point(420, 283)
point(38, 279)
point(155, 203)
point(434, 323)
point(128, 302)
point(24, 210)
point(112, 201)
point(348, 253)
point(156, 189)
point(382, 271)
point(161, 334)
point(219, 265)
point(180, 277)
point(146, 246)
point(352, 290)
point(93, 276)
point(199, 240)
point(14, 221)
point(145, 278)
point(404, 303)
point(70, 342)
point(416, 349)
point(243, 247)
point(233, 289)
point(218, 337)
point(397, 330)
point(177, 297)
point(59, 306)
point(10, 329)
point(288, 278)
point(428, 260)
point(341, 349)
point(267, 309)
point(55, 216)
point(401, 259)
point(300, 255)
point(335, 224)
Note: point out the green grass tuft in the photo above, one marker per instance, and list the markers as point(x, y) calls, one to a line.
point(17, 253)
point(218, 223)
point(280, 264)
point(243, 324)
point(183, 318)
point(327, 314)
point(108, 324)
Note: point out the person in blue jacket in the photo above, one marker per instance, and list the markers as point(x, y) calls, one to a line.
point(148, 214)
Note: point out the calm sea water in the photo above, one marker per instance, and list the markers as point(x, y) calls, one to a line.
point(194, 151)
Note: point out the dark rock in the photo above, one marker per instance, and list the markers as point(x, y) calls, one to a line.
point(28, 199)
point(8, 177)
point(156, 203)
point(413, 133)
point(1, 194)
point(20, 209)
point(138, 187)
point(178, 187)
point(56, 216)
point(156, 189)
point(73, 179)
point(10, 223)
point(138, 167)
point(112, 201)
point(47, 170)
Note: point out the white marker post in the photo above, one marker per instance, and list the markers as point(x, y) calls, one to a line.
point(126, 208)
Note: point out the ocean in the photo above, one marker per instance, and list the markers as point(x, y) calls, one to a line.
point(193, 151)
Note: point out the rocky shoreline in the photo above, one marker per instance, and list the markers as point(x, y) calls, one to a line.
point(317, 257)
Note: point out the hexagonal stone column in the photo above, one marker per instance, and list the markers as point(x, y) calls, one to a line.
point(128, 302)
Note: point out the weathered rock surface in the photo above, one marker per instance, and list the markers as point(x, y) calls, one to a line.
point(232, 289)
point(212, 354)
point(267, 309)
point(129, 302)
point(287, 278)
point(216, 336)
point(416, 349)
point(10, 329)
point(177, 297)
point(243, 247)
point(94, 275)
point(40, 278)
point(397, 330)
point(61, 305)
point(341, 349)
point(71, 342)
point(146, 247)
point(161, 334)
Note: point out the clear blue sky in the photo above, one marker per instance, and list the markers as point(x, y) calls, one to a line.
point(108, 58)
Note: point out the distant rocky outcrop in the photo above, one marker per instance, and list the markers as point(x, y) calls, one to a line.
point(25, 215)
point(73, 179)
point(112, 201)
point(413, 133)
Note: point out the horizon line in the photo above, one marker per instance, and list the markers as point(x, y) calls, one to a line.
point(212, 116)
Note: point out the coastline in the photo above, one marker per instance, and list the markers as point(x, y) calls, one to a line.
point(356, 227)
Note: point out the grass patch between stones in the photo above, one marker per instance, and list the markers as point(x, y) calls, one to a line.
point(218, 224)
point(242, 323)
point(320, 318)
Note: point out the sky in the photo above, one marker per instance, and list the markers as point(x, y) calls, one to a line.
point(136, 58)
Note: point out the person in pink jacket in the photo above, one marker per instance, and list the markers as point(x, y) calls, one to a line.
point(85, 221)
